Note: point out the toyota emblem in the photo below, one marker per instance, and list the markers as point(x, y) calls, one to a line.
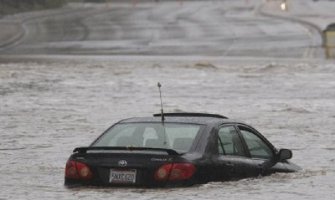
point(122, 163)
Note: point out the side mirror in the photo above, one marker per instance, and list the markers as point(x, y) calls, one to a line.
point(284, 154)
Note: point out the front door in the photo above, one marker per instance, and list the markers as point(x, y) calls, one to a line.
point(260, 151)
point(232, 160)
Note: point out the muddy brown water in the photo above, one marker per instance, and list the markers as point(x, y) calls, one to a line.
point(48, 108)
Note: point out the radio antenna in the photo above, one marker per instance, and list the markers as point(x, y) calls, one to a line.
point(162, 113)
point(160, 95)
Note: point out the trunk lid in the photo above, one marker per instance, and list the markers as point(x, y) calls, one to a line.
point(125, 165)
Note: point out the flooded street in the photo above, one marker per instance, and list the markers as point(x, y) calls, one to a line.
point(48, 108)
point(67, 74)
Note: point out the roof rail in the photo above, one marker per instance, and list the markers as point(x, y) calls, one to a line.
point(190, 115)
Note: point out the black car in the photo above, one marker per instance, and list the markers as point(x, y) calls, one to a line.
point(176, 149)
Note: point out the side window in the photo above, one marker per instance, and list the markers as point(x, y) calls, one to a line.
point(257, 147)
point(229, 142)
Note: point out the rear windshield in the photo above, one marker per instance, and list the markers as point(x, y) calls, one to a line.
point(176, 136)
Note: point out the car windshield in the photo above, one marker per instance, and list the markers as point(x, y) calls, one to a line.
point(176, 136)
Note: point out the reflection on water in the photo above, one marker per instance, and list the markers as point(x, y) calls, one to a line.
point(47, 109)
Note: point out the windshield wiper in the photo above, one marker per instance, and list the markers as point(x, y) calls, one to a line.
point(85, 149)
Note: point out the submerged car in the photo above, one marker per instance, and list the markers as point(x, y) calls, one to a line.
point(175, 149)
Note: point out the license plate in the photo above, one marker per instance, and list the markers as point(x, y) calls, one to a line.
point(122, 176)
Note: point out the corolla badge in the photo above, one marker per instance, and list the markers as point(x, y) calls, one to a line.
point(122, 163)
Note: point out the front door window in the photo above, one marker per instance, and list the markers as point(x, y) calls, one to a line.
point(256, 146)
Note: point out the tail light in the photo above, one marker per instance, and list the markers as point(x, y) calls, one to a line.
point(77, 170)
point(175, 172)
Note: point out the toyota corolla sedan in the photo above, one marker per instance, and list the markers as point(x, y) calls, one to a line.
point(175, 149)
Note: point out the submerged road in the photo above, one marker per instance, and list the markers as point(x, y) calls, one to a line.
point(52, 103)
point(209, 28)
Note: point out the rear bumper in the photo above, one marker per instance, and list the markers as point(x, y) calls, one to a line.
point(73, 183)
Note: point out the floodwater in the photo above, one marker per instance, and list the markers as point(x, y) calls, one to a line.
point(48, 108)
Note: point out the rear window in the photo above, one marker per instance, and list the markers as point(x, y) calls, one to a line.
point(176, 136)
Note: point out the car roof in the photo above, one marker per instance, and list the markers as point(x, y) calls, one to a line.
point(192, 118)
